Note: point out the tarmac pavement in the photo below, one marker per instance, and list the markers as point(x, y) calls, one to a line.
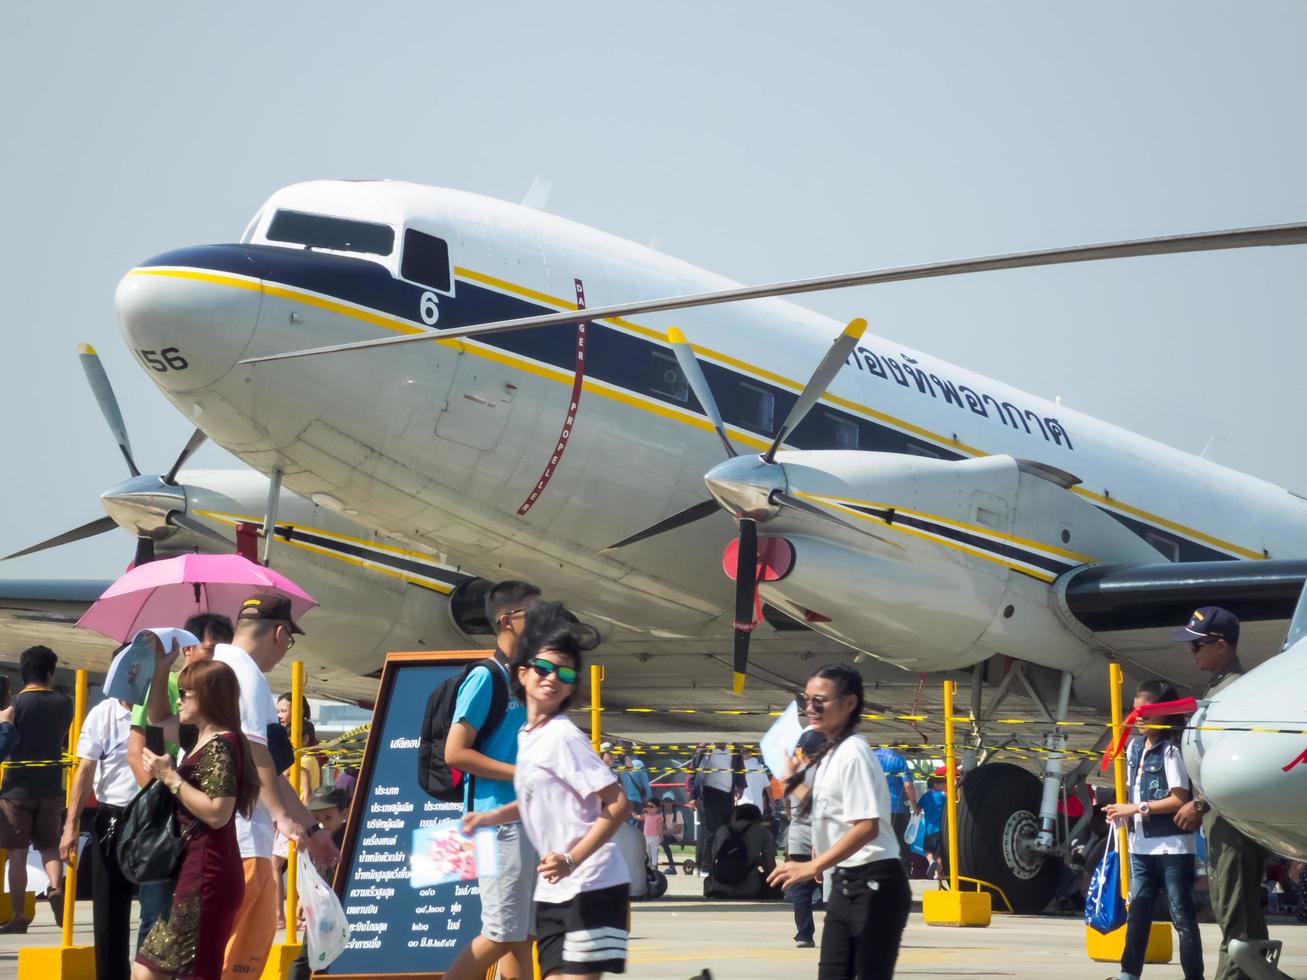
point(678, 936)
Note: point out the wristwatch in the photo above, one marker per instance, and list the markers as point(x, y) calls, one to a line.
point(1202, 806)
point(1143, 809)
point(315, 828)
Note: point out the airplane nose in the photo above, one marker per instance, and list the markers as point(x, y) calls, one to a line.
point(188, 316)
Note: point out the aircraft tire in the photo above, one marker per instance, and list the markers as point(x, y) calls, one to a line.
point(998, 807)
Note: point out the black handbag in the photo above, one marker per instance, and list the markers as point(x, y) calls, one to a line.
point(150, 841)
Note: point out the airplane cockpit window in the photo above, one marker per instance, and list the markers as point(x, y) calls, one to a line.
point(337, 234)
point(426, 260)
point(1297, 625)
point(250, 229)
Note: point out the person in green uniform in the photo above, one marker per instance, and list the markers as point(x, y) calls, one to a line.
point(1235, 862)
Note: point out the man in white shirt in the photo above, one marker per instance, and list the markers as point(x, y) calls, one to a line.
point(265, 633)
point(757, 787)
point(102, 761)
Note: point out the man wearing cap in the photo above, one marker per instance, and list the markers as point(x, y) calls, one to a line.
point(265, 633)
point(1235, 863)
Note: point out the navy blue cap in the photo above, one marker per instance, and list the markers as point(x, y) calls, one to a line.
point(1210, 621)
point(811, 740)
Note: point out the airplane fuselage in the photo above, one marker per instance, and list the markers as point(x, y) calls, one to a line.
point(491, 451)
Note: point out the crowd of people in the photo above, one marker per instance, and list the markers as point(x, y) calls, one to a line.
point(213, 737)
point(210, 736)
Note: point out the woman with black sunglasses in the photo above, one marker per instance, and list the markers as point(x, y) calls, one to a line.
point(852, 838)
point(570, 804)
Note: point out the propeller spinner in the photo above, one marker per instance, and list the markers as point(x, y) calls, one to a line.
point(752, 489)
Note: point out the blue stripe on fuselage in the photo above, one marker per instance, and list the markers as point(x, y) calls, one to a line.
point(614, 356)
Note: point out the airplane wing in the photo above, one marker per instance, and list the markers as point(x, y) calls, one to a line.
point(36, 611)
point(1132, 609)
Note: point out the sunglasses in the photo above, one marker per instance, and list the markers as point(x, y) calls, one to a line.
point(184, 695)
point(1196, 645)
point(815, 705)
point(544, 668)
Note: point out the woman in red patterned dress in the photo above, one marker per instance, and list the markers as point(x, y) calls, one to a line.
point(215, 780)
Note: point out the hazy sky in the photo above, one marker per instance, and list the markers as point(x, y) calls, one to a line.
point(759, 140)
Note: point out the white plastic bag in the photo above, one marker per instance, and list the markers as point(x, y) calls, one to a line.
point(326, 930)
point(912, 829)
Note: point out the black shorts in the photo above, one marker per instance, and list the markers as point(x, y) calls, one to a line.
point(931, 845)
point(586, 934)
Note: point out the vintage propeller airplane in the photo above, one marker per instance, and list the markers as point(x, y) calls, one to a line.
point(531, 401)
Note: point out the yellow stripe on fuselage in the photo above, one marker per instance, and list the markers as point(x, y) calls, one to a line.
point(979, 529)
point(656, 407)
point(428, 582)
point(937, 539)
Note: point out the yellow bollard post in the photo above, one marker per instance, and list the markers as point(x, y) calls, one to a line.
point(283, 954)
point(954, 907)
point(1108, 948)
point(65, 961)
point(596, 706)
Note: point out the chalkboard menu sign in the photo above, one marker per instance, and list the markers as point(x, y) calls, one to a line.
point(398, 930)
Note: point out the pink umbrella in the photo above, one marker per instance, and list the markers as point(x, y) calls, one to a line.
point(166, 592)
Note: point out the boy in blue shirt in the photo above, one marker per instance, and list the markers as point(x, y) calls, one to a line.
point(507, 909)
point(929, 842)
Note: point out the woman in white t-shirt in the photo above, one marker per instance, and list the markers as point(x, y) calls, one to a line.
point(570, 804)
point(1161, 854)
point(851, 836)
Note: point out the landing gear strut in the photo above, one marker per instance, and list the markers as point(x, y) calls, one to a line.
point(1009, 830)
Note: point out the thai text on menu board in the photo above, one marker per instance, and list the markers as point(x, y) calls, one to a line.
point(396, 928)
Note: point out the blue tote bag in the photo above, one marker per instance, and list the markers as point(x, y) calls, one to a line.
point(1105, 909)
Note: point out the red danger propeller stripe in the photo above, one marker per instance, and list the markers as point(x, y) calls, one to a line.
point(561, 446)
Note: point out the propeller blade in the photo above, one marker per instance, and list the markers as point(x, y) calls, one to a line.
point(746, 586)
point(693, 372)
point(196, 527)
point(698, 512)
point(103, 392)
point(787, 500)
point(144, 551)
point(1292, 234)
point(193, 443)
point(97, 526)
point(819, 382)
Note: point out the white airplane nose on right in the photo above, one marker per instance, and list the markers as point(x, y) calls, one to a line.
point(187, 328)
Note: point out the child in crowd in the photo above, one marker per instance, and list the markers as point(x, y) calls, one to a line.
point(929, 843)
point(653, 831)
point(1161, 853)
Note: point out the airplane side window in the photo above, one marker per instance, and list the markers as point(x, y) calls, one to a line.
point(337, 234)
point(1169, 548)
point(844, 432)
point(758, 406)
point(666, 378)
point(426, 260)
point(919, 450)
